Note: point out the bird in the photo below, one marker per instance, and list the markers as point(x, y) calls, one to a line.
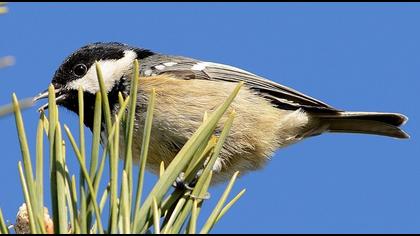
point(269, 116)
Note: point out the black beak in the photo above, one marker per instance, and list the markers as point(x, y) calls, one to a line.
point(44, 94)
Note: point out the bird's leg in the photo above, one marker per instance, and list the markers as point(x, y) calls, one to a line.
point(180, 183)
point(180, 180)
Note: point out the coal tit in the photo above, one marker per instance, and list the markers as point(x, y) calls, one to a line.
point(269, 115)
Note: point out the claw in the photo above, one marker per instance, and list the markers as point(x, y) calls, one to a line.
point(180, 183)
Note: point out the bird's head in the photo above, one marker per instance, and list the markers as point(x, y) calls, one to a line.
point(79, 71)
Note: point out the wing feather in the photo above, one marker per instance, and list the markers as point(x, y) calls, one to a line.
point(280, 95)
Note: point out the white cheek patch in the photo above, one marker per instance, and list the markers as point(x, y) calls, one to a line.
point(112, 71)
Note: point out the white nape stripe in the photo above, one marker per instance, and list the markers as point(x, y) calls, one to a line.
point(112, 71)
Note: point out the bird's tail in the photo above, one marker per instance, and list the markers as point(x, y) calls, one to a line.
point(386, 124)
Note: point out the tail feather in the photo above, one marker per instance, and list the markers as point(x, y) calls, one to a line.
point(386, 124)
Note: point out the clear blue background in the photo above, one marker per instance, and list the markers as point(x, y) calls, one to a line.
point(355, 56)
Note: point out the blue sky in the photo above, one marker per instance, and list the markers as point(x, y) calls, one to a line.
point(354, 56)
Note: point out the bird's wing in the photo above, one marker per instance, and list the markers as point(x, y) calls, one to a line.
point(187, 68)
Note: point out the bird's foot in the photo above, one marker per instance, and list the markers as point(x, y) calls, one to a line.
point(181, 184)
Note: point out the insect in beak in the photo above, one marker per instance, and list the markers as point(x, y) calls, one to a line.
point(44, 95)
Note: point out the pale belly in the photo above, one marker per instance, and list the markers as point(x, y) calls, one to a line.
point(257, 131)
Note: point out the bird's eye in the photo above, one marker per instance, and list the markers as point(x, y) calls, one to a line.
point(79, 70)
